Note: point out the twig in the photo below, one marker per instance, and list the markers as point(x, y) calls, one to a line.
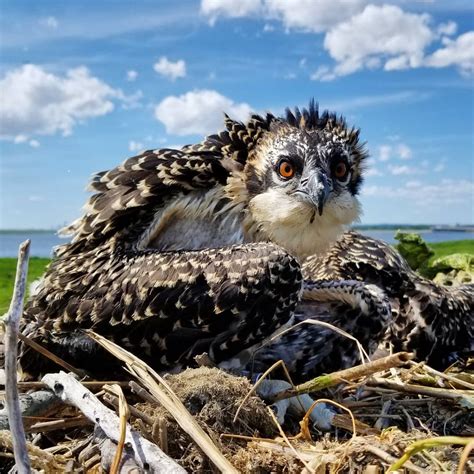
point(113, 400)
point(159, 388)
point(72, 392)
point(124, 414)
point(91, 384)
point(450, 378)
point(61, 424)
point(465, 456)
point(388, 458)
point(12, 325)
point(465, 396)
point(285, 438)
point(335, 378)
point(422, 444)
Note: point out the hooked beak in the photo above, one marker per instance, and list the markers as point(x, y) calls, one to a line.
point(315, 190)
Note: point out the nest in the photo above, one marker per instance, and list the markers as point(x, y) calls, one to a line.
point(384, 402)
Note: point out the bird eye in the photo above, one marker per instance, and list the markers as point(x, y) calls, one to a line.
point(340, 170)
point(285, 169)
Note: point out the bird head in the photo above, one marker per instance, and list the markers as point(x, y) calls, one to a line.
point(303, 177)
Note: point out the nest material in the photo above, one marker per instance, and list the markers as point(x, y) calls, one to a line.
point(213, 397)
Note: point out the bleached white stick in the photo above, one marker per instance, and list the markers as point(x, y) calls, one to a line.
point(147, 455)
point(12, 325)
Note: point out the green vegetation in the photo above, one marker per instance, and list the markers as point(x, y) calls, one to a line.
point(7, 277)
point(442, 249)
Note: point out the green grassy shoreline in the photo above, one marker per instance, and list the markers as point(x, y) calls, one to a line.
point(38, 265)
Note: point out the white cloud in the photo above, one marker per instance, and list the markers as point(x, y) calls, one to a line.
point(34, 143)
point(448, 28)
point(439, 167)
point(458, 52)
point(379, 35)
point(49, 22)
point(401, 169)
point(303, 15)
point(401, 151)
point(359, 34)
point(35, 102)
point(198, 112)
point(385, 152)
point(404, 151)
point(323, 73)
point(131, 75)
point(169, 69)
point(310, 15)
point(372, 172)
point(135, 147)
point(214, 9)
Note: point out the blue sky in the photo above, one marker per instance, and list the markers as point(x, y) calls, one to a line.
point(86, 84)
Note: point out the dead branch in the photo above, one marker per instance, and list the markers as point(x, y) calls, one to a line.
point(74, 393)
point(12, 326)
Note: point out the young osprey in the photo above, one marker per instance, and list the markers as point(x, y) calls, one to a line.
point(192, 250)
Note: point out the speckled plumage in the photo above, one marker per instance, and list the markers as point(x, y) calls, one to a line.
point(184, 251)
point(434, 322)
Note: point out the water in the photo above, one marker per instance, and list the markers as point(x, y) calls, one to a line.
point(42, 243)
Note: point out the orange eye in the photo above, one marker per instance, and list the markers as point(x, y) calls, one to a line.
point(340, 170)
point(286, 169)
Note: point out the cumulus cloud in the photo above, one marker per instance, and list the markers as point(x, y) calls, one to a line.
point(379, 35)
point(308, 15)
point(132, 75)
point(169, 69)
point(198, 112)
point(36, 102)
point(302, 15)
point(214, 9)
point(458, 52)
point(359, 34)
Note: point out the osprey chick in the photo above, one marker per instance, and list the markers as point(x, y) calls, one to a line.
point(192, 250)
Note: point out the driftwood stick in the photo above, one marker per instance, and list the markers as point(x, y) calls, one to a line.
point(346, 375)
point(12, 325)
point(163, 393)
point(74, 393)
